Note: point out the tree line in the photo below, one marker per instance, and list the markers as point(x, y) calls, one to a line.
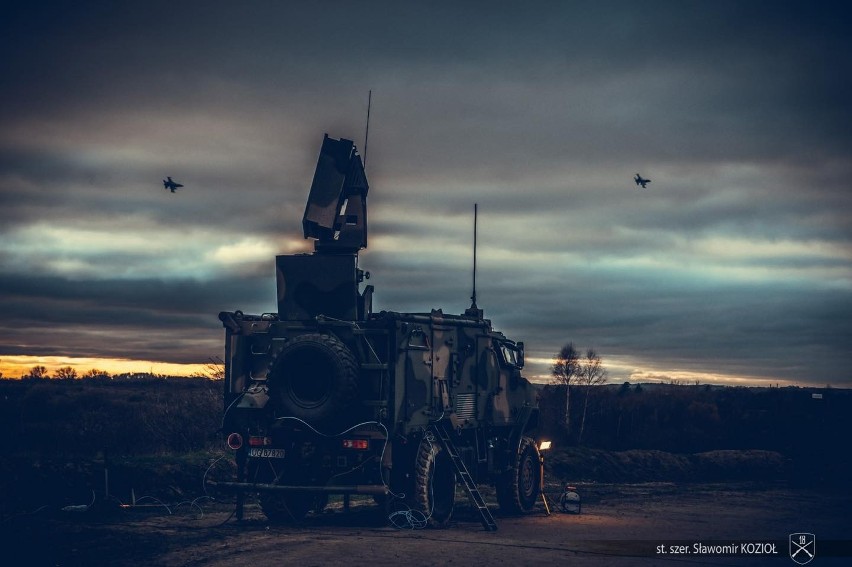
point(64, 373)
point(213, 369)
point(804, 424)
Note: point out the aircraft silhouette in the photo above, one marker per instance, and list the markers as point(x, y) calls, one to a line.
point(171, 184)
point(641, 181)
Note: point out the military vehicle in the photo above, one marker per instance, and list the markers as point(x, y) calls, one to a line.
point(328, 397)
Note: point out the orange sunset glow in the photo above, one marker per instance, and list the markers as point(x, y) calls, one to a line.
point(18, 366)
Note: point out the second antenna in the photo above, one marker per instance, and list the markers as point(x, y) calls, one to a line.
point(367, 133)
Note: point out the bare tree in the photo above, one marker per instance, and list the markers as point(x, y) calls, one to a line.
point(65, 373)
point(213, 370)
point(37, 372)
point(95, 373)
point(591, 373)
point(566, 371)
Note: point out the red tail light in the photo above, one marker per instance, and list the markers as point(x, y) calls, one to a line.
point(359, 444)
point(259, 441)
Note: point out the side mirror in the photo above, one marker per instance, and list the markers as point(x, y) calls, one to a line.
point(520, 346)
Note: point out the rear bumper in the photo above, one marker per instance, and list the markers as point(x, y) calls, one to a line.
point(330, 489)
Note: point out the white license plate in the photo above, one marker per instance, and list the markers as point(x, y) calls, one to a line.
point(265, 453)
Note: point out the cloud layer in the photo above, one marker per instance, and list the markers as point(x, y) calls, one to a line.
point(735, 261)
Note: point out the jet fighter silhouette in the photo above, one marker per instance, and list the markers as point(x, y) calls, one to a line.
point(171, 184)
point(641, 181)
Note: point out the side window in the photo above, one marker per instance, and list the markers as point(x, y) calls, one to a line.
point(509, 354)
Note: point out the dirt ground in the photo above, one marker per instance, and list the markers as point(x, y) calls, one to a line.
point(618, 525)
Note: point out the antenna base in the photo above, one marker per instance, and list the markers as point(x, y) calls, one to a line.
point(475, 312)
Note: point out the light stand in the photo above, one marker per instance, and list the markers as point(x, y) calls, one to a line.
point(542, 447)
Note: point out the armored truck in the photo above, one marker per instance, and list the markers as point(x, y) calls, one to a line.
point(327, 396)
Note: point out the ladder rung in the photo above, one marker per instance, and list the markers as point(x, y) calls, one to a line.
point(484, 513)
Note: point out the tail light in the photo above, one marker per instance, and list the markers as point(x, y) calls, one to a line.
point(358, 444)
point(259, 441)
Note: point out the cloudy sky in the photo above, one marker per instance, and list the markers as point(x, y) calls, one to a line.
point(733, 266)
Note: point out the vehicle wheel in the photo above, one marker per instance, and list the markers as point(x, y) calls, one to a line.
point(314, 378)
point(518, 490)
point(434, 483)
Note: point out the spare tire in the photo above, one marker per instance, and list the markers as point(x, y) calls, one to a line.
point(315, 378)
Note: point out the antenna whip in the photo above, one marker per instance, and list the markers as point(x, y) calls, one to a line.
point(367, 133)
point(473, 296)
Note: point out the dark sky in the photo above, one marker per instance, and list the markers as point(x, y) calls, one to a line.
point(733, 266)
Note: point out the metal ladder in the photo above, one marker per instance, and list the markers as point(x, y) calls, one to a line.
point(484, 513)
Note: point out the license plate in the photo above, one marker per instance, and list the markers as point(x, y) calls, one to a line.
point(264, 453)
